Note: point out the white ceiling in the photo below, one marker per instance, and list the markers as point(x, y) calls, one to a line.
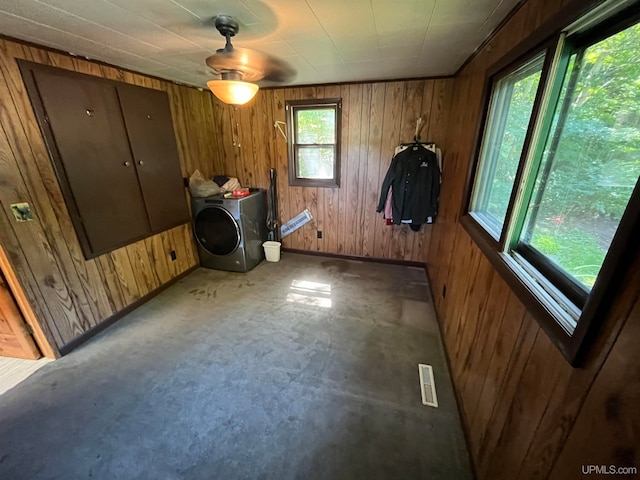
point(326, 41)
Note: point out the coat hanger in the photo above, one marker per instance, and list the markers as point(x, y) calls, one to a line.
point(416, 137)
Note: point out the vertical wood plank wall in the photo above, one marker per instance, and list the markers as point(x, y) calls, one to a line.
point(376, 117)
point(527, 412)
point(71, 295)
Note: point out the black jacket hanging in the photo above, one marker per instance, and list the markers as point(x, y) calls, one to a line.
point(414, 175)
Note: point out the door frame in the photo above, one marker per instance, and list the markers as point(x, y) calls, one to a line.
point(47, 348)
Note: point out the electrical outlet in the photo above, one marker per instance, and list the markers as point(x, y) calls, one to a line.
point(173, 255)
point(319, 233)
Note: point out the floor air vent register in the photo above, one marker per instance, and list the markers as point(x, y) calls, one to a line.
point(427, 385)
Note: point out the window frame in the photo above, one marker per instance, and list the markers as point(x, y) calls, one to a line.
point(293, 106)
point(505, 258)
point(495, 74)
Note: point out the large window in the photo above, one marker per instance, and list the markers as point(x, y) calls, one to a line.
point(313, 137)
point(556, 184)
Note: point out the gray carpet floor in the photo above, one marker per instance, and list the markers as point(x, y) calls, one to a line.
point(306, 368)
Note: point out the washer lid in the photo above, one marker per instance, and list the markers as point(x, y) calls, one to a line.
point(217, 231)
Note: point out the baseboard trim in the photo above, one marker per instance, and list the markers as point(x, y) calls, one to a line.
point(360, 258)
point(107, 322)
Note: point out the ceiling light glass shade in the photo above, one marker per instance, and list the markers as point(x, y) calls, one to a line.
point(233, 92)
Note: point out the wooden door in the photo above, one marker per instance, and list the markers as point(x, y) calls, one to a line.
point(147, 116)
point(15, 340)
point(95, 161)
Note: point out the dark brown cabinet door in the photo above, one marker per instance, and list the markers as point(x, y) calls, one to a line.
point(87, 126)
point(148, 120)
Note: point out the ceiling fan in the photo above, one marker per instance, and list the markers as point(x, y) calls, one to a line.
point(238, 67)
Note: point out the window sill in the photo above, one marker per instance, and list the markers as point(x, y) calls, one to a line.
point(545, 311)
point(307, 182)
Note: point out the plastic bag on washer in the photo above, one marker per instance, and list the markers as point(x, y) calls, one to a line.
point(201, 187)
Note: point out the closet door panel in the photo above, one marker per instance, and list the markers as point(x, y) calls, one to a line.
point(148, 120)
point(85, 119)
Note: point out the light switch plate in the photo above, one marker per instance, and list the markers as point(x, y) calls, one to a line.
point(22, 212)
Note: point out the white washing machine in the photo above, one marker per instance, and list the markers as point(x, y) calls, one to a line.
point(230, 231)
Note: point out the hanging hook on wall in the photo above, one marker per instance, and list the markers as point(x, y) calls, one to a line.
point(277, 125)
point(416, 136)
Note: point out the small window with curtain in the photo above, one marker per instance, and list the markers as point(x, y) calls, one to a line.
point(313, 140)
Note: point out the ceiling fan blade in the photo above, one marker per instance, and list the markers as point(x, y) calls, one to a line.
point(252, 64)
point(279, 71)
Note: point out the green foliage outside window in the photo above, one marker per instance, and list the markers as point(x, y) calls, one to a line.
point(316, 126)
point(523, 95)
point(596, 162)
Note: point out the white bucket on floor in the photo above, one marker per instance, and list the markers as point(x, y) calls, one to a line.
point(272, 251)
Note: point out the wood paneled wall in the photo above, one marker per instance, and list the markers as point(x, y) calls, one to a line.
point(376, 117)
point(68, 294)
point(528, 413)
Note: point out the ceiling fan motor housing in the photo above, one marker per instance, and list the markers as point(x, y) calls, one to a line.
point(226, 25)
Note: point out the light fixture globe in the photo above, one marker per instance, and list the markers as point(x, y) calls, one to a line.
point(232, 90)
